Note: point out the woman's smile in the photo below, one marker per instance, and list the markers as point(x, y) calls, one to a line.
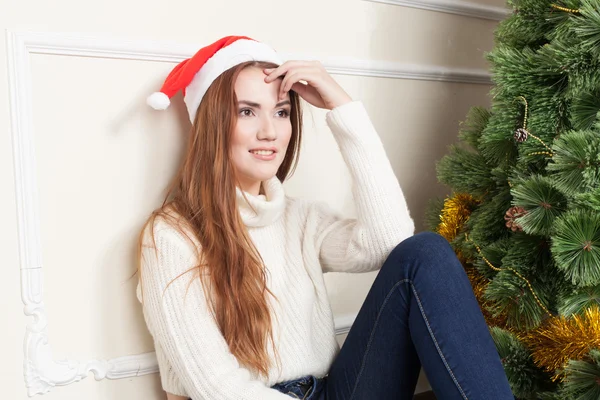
point(264, 154)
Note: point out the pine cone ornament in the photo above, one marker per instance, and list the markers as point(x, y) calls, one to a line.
point(521, 135)
point(511, 215)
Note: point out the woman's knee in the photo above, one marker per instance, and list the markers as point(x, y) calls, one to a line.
point(427, 256)
point(424, 246)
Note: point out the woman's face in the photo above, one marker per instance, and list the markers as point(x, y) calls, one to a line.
point(261, 135)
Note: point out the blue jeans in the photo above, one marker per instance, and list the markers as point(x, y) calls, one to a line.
point(420, 311)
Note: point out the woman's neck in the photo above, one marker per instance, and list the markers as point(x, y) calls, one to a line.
point(254, 188)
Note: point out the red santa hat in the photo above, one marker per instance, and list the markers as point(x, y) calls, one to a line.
point(194, 75)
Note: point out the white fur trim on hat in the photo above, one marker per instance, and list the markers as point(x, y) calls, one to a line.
point(158, 101)
point(236, 53)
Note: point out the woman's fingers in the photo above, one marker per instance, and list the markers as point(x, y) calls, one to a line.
point(289, 77)
point(274, 73)
point(300, 88)
point(309, 94)
point(293, 76)
point(322, 90)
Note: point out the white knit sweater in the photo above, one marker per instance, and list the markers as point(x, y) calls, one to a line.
point(298, 241)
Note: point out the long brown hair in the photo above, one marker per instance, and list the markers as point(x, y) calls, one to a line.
point(203, 192)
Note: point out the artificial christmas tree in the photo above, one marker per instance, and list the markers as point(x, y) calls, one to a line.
point(524, 213)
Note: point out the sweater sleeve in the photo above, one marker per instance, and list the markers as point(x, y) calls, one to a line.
point(383, 220)
point(182, 325)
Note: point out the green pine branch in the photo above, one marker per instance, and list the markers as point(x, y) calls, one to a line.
point(583, 378)
point(525, 378)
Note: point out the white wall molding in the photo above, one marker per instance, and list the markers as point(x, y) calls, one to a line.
point(465, 8)
point(107, 47)
point(41, 370)
point(396, 70)
point(343, 323)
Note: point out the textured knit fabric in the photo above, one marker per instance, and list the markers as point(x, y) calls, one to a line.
point(298, 240)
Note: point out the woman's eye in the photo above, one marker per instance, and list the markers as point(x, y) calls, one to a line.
point(284, 113)
point(243, 112)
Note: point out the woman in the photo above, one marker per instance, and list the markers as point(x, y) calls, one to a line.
point(231, 273)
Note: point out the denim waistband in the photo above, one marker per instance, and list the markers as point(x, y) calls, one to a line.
point(300, 388)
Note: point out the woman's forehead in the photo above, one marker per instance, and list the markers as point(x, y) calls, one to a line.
point(251, 86)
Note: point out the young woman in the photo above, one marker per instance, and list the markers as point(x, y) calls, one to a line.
point(231, 269)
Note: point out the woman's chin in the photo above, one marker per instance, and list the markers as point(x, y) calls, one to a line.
point(265, 175)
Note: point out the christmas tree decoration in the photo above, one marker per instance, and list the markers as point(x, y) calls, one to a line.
point(565, 9)
point(455, 213)
point(562, 339)
point(513, 280)
point(530, 245)
point(511, 216)
point(521, 134)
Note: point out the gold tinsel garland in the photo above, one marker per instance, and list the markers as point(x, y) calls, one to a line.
point(456, 211)
point(561, 339)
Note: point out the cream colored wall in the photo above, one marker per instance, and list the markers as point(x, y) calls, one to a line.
point(103, 157)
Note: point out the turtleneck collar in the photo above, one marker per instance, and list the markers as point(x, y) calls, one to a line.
point(268, 206)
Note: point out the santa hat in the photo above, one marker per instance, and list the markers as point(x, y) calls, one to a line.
point(194, 75)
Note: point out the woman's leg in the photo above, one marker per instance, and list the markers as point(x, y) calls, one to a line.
point(420, 310)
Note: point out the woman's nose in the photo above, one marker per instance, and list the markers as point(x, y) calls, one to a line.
point(267, 130)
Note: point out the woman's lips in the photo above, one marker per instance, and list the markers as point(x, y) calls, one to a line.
point(264, 157)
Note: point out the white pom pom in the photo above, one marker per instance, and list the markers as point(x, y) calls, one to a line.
point(158, 101)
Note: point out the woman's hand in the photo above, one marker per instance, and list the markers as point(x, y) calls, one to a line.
point(321, 89)
point(171, 396)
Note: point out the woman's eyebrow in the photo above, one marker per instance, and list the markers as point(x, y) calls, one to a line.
point(256, 105)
